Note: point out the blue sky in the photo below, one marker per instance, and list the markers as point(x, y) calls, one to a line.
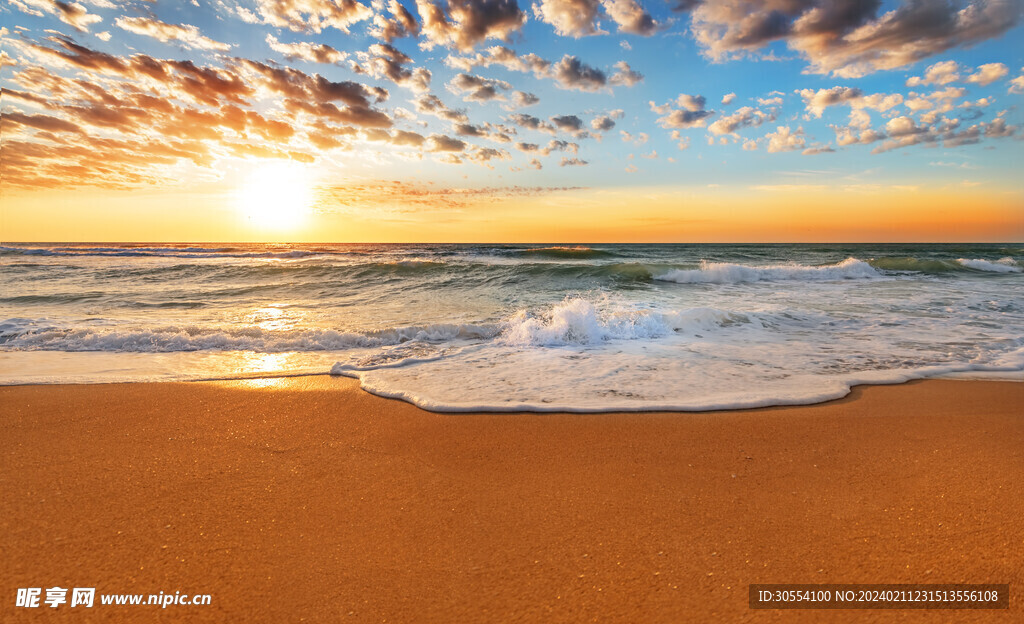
point(772, 93)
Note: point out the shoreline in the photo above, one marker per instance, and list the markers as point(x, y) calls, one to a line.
point(968, 376)
point(310, 498)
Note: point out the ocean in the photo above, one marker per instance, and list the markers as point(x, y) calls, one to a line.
point(518, 327)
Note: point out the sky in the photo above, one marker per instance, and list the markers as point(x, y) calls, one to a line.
point(500, 121)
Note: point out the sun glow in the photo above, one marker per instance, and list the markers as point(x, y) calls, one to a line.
point(276, 196)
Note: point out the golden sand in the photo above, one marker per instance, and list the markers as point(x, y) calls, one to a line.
point(307, 499)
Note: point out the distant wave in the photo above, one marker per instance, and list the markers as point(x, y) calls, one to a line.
point(727, 273)
point(162, 252)
point(557, 252)
point(915, 265)
point(621, 271)
point(1003, 265)
point(937, 267)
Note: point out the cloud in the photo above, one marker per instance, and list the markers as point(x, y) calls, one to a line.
point(572, 73)
point(293, 83)
point(418, 196)
point(401, 24)
point(204, 114)
point(743, 118)
point(470, 22)
point(988, 73)
point(41, 122)
point(904, 132)
point(71, 13)
point(313, 15)
point(484, 155)
point(497, 133)
point(1017, 84)
point(917, 104)
point(383, 60)
point(309, 52)
point(602, 123)
point(442, 143)
point(432, 105)
point(690, 114)
point(571, 18)
point(631, 17)
point(532, 123)
point(848, 38)
point(681, 141)
point(624, 75)
point(521, 99)
point(938, 74)
point(185, 34)
point(554, 145)
point(728, 98)
point(505, 57)
point(572, 162)
point(785, 140)
point(638, 140)
point(570, 124)
point(579, 18)
point(902, 126)
point(816, 102)
point(998, 128)
point(816, 149)
point(569, 73)
point(477, 88)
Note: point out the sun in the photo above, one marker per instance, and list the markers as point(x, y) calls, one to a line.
point(276, 196)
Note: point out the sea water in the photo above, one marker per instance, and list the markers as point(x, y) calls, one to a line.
point(518, 327)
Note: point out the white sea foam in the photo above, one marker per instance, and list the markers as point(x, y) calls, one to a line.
point(728, 273)
point(576, 381)
point(1003, 265)
point(577, 320)
point(27, 334)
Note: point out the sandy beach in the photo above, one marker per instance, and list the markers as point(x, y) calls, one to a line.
point(307, 499)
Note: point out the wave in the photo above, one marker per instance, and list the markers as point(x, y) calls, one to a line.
point(161, 252)
point(559, 252)
point(573, 321)
point(1003, 265)
point(578, 321)
point(29, 335)
point(915, 265)
point(727, 273)
point(809, 390)
point(937, 267)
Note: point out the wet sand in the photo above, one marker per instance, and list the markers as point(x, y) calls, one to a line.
point(306, 499)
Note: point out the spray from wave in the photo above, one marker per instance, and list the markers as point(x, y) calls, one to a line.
point(1003, 265)
point(728, 273)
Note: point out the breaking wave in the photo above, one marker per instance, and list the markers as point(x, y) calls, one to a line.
point(1003, 265)
point(727, 273)
point(574, 321)
point(578, 321)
